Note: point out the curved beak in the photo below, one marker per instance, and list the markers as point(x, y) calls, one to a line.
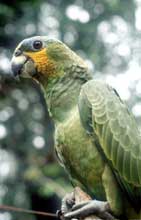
point(22, 65)
point(17, 63)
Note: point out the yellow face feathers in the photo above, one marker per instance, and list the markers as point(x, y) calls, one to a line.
point(43, 64)
point(44, 59)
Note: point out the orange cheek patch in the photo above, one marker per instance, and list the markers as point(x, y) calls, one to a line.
point(43, 64)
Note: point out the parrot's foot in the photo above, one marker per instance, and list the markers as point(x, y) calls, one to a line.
point(67, 203)
point(93, 207)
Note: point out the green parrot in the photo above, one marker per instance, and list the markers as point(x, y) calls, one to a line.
point(96, 138)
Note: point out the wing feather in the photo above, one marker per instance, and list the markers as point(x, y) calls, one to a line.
point(115, 128)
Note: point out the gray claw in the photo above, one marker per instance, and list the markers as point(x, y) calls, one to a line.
point(101, 209)
point(67, 202)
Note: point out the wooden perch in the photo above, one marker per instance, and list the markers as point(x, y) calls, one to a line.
point(81, 196)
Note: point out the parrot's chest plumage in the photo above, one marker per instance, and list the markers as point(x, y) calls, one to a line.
point(79, 155)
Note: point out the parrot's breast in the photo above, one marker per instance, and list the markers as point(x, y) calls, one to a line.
point(79, 155)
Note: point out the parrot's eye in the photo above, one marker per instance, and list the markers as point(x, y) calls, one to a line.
point(37, 44)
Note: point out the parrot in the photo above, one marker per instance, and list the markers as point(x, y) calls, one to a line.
point(97, 139)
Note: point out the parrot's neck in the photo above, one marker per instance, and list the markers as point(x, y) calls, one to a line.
point(62, 95)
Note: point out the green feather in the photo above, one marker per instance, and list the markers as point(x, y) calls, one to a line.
point(117, 133)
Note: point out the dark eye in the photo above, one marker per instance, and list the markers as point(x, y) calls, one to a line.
point(37, 44)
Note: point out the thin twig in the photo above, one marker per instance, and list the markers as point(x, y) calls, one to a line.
point(15, 209)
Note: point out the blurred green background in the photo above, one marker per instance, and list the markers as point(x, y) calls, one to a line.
point(107, 34)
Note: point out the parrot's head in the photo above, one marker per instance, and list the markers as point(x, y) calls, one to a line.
point(43, 59)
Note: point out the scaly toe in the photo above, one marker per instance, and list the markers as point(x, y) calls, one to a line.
point(98, 208)
point(67, 202)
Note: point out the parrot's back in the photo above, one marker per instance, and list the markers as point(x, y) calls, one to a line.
point(104, 115)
